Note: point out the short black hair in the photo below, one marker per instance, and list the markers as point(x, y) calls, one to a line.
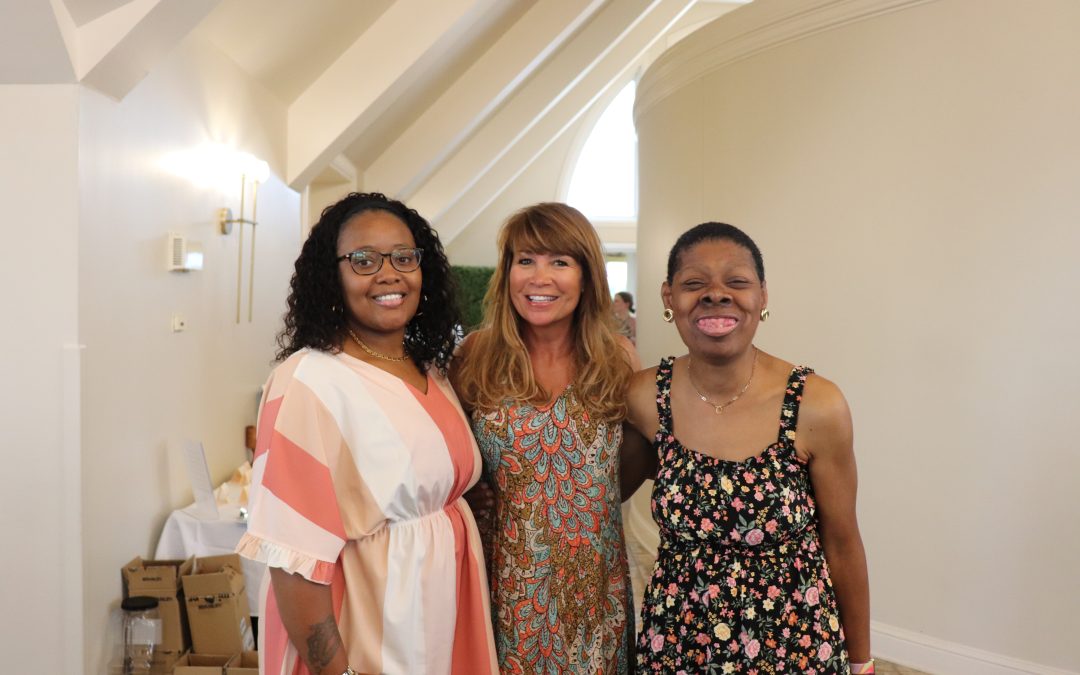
point(316, 312)
point(708, 232)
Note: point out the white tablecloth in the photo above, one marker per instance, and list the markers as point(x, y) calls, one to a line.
point(187, 535)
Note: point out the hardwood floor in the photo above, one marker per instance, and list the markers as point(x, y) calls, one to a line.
point(887, 668)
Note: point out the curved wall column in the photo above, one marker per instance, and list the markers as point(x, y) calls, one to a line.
point(911, 171)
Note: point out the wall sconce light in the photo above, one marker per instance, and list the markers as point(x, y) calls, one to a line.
point(254, 171)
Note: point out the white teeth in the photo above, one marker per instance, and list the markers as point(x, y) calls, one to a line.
point(390, 296)
point(540, 298)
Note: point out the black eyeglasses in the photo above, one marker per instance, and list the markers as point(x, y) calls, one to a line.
point(369, 261)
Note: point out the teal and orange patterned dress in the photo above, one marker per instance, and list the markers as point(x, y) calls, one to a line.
point(560, 587)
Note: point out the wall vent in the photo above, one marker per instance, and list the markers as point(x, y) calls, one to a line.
point(177, 252)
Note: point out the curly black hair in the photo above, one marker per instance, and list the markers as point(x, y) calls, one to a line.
point(315, 317)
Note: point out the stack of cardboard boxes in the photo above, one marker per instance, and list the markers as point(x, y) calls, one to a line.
point(206, 625)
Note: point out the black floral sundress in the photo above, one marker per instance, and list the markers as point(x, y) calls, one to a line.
point(740, 583)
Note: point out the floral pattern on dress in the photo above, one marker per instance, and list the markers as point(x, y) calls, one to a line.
point(556, 554)
point(740, 584)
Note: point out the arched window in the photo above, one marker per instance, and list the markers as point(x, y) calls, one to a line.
point(603, 184)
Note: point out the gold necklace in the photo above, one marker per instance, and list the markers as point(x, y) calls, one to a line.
point(719, 407)
point(369, 350)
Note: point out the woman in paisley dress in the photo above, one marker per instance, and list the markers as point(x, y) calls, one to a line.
point(545, 379)
point(761, 567)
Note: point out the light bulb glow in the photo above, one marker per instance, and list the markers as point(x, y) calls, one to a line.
point(215, 166)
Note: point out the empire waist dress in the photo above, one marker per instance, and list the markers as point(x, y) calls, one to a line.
point(741, 584)
point(557, 559)
point(357, 482)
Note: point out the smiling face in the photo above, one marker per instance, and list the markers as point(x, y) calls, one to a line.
point(716, 297)
point(380, 305)
point(545, 288)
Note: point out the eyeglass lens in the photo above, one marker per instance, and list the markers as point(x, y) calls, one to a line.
point(368, 261)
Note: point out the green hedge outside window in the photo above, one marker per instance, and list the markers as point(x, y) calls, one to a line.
point(472, 284)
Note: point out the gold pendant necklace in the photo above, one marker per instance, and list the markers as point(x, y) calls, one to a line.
point(719, 407)
point(369, 350)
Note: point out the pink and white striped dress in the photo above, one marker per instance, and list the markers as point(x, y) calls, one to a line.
point(357, 483)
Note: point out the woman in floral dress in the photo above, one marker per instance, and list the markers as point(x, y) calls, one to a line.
point(545, 379)
point(761, 567)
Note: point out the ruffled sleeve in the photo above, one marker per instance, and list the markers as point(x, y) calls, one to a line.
point(295, 521)
point(288, 559)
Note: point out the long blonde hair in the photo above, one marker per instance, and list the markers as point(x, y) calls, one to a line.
point(497, 367)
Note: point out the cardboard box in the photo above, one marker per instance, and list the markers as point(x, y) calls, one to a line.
point(202, 664)
point(246, 663)
point(164, 661)
point(217, 608)
point(161, 579)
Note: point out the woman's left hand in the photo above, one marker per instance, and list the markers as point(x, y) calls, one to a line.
point(481, 499)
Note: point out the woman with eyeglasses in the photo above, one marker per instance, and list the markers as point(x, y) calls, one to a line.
point(361, 459)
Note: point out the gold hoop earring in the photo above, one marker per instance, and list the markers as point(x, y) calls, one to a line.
point(668, 314)
point(764, 314)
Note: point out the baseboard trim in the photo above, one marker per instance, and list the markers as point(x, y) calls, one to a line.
point(939, 657)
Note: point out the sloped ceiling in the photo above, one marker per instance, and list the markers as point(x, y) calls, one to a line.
point(286, 44)
point(84, 11)
point(439, 102)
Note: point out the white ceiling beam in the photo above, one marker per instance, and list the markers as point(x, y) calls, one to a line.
point(343, 169)
point(69, 31)
point(559, 76)
point(453, 212)
point(84, 11)
point(446, 124)
point(383, 62)
point(118, 49)
point(96, 38)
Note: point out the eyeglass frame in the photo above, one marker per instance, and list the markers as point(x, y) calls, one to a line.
point(416, 250)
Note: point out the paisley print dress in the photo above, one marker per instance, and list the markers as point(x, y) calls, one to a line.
point(740, 584)
point(560, 590)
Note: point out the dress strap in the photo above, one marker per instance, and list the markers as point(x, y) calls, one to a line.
point(789, 411)
point(663, 393)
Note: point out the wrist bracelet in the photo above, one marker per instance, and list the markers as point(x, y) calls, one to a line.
point(862, 668)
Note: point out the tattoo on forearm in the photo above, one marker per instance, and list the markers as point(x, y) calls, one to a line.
point(322, 644)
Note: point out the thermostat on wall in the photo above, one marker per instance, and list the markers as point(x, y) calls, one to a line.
point(183, 257)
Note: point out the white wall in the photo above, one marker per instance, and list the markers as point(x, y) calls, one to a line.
point(913, 179)
point(143, 386)
point(39, 444)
